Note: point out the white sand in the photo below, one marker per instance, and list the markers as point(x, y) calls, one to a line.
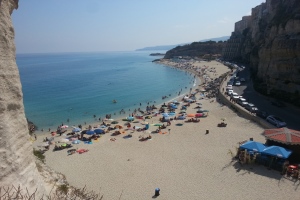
point(185, 164)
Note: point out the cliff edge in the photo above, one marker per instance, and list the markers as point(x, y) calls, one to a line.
point(17, 163)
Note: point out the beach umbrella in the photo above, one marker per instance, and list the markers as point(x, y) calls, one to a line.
point(90, 132)
point(165, 114)
point(76, 129)
point(99, 131)
point(277, 151)
point(171, 113)
point(181, 117)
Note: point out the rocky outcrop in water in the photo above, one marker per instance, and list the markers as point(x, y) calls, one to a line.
point(196, 49)
point(17, 163)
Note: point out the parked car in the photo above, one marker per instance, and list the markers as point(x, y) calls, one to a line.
point(230, 83)
point(276, 121)
point(228, 87)
point(242, 102)
point(234, 94)
point(235, 98)
point(262, 114)
point(237, 83)
point(251, 107)
point(243, 80)
point(278, 103)
point(229, 92)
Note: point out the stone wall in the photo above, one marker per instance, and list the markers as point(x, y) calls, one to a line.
point(17, 163)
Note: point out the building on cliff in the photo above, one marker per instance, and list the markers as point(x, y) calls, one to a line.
point(269, 41)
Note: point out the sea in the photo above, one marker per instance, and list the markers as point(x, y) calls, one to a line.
point(80, 88)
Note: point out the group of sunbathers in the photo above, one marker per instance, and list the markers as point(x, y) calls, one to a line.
point(193, 120)
point(146, 138)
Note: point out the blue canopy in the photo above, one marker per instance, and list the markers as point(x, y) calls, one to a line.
point(99, 131)
point(277, 151)
point(253, 146)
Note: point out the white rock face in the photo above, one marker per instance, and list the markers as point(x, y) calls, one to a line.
point(17, 164)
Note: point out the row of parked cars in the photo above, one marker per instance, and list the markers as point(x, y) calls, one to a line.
point(274, 120)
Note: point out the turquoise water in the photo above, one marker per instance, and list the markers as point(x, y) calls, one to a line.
point(77, 86)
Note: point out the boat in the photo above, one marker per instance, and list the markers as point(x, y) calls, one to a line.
point(114, 101)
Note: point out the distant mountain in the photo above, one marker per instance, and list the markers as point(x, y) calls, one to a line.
point(168, 47)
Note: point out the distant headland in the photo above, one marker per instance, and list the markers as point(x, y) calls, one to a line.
point(157, 54)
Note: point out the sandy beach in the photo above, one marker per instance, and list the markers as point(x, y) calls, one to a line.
point(185, 163)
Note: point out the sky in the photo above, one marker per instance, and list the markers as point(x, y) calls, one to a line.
point(53, 26)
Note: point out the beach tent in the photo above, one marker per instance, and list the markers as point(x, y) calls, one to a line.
point(253, 146)
point(277, 151)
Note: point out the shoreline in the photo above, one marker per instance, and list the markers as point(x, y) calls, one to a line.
point(119, 117)
point(164, 62)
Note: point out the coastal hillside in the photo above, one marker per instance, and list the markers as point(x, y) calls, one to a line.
point(18, 167)
point(196, 49)
point(269, 41)
point(169, 47)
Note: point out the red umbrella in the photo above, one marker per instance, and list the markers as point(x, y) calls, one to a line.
point(283, 135)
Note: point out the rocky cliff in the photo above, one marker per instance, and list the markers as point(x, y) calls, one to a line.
point(196, 49)
point(17, 164)
point(272, 47)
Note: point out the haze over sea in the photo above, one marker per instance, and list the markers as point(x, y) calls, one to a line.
point(77, 86)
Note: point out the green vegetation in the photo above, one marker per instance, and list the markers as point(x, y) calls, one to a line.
point(63, 189)
point(39, 155)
